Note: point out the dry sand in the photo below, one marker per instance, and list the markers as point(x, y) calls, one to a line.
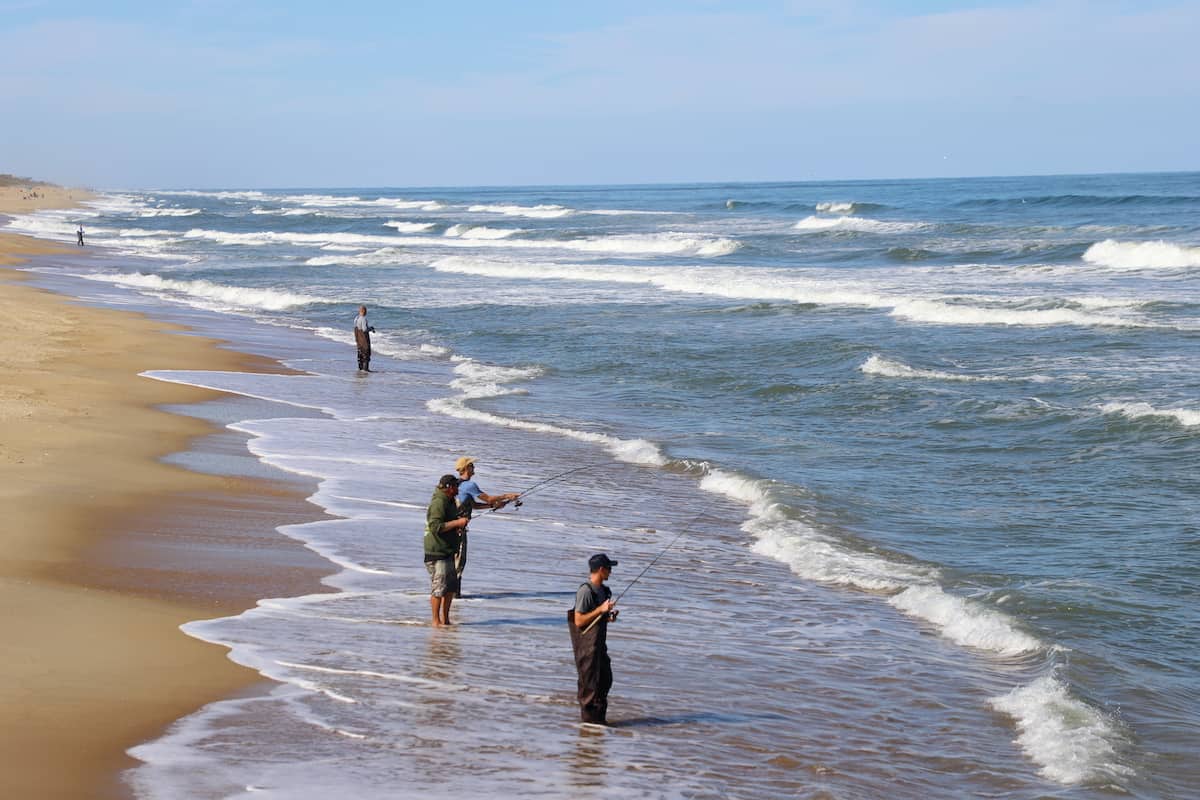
point(92, 597)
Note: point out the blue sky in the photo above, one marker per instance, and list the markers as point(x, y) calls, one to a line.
point(216, 93)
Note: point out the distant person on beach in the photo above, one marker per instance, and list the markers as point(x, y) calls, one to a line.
point(79, 236)
point(444, 528)
point(471, 497)
point(362, 339)
point(593, 603)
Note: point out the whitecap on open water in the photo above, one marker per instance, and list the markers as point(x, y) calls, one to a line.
point(932, 446)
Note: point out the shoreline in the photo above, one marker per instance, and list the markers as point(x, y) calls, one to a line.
point(109, 549)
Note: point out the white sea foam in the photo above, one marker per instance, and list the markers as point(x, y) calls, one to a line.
point(816, 557)
point(964, 621)
point(386, 255)
point(748, 491)
point(312, 201)
point(333, 201)
point(476, 380)
point(634, 451)
point(835, 208)
point(877, 365)
point(779, 285)
point(856, 224)
point(246, 195)
point(667, 243)
point(284, 212)
point(534, 212)
point(169, 212)
point(209, 295)
point(56, 224)
point(481, 232)
point(1142, 255)
point(940, 312)
point(823, 558)
point(408, 227)
point(386, 344)
point(266, 238)
point(134, 233)
point(1070, 740)
point(1184, 416)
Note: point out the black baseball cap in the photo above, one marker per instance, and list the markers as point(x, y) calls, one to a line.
point(448, 480)
point(600, 560)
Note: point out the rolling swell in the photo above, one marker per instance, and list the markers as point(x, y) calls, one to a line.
point(1067, 201)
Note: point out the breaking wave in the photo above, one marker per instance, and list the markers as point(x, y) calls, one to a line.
point(912, 588)
point(941, 312)
point(633, 451)
point(408, 227)
point(534, 212)
point(667, 243)
point(877, 365)
point(1078, 200)
point(856, 225)
point(1142, 255)
point(846, 207)
point(481, 232)
point(1187, 417)
point(284, 212)
point(206, 294)
point(385, 255)
point(169, 212)
point(1071, 741)
point(773, 285)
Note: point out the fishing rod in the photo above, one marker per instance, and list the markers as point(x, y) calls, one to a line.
point(687, 527)
point(546, 481)
point(536, 486)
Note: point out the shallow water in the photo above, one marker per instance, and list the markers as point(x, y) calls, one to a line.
point(933, 445)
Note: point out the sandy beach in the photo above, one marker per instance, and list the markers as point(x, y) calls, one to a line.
point(96, 573)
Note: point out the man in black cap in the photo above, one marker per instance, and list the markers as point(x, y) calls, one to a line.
point(443, 530)
point(593, 604)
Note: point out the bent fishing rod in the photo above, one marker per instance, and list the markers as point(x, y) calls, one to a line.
point(535, 487)
point(547, 481)
point(646, 569)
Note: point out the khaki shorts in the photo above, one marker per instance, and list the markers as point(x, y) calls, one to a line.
point(442, 577)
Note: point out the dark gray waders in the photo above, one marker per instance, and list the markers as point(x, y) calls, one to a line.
point(362, 341)
point(594, 668)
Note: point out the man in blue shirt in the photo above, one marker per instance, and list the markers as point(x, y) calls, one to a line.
point(471, 497)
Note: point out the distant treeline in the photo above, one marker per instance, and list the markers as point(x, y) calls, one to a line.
point(13, 180)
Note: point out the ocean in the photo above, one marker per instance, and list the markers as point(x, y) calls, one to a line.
point(927, 451)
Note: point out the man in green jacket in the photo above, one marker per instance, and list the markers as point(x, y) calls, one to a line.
point(443, 532)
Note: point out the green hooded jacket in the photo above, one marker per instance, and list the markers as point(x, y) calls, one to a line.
point(440, 543)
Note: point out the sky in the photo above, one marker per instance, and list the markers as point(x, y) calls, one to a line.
point(241, 94)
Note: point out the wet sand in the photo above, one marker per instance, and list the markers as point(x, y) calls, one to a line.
point(107, 549)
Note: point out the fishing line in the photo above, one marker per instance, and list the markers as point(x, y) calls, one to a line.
point(686, 528)
point(546, 481)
